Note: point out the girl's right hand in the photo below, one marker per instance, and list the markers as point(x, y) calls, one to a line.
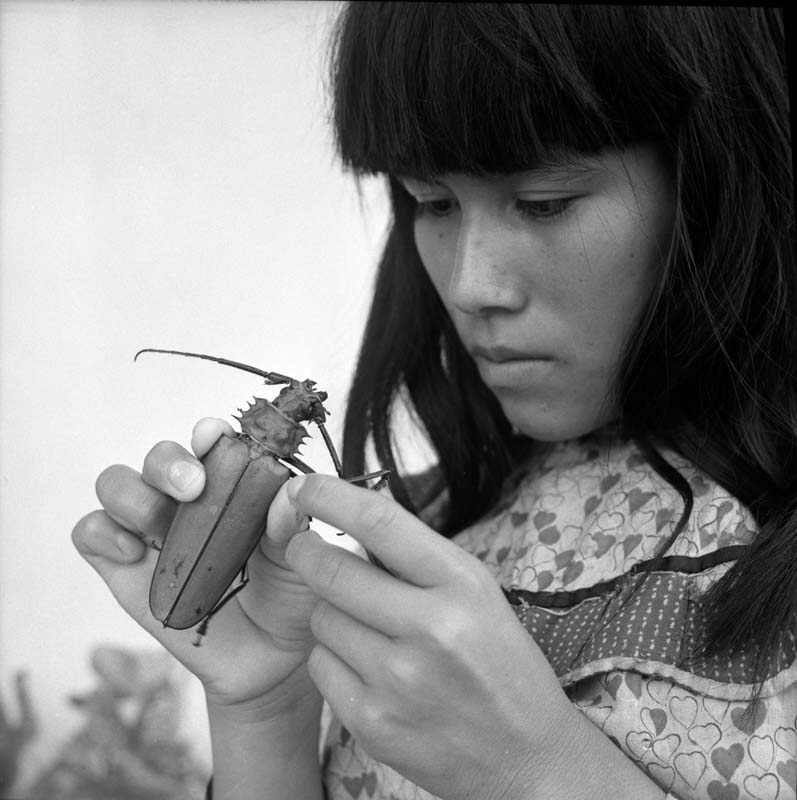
point(253, 657)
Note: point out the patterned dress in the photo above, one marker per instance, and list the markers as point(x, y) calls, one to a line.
point(562, 543)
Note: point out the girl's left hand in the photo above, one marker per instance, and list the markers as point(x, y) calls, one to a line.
point(431, 671)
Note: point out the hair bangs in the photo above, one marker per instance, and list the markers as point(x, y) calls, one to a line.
point(423, 89)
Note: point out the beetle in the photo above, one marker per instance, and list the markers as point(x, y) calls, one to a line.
point(211, 538)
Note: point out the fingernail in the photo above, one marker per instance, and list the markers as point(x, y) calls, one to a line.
point(294, 486)
point(302, 522)
point(184, 475)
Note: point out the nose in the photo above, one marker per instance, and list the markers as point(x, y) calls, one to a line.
point(487, 270)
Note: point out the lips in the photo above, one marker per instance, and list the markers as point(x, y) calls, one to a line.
point(509, 369)
point(499, 354)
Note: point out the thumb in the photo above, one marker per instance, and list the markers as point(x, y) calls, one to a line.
point(284, 521)
point(205, 433)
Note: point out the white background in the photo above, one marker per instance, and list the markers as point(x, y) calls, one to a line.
point(168, 180)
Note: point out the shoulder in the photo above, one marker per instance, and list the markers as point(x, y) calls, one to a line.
point(591, 510)
point(574, 546)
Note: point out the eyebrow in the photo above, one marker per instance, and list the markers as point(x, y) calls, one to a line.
point(552, 170)
point(566, 169)
point(429, 180)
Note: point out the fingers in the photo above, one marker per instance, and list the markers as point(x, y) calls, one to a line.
point(353, 585)
point(143, 502)
point(120, 559)
point(205, 433)
point(174, 471)
point(126, 566)
point(134, 504)
point(365, 650)
point(284, 520)
point(98, 537)
point(138, 509)
point(340, 685)
point(396, 537)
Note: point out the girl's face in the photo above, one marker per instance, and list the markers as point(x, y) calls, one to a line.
point(544, 274)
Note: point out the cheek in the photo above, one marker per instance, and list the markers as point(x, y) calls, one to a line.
point(434, 250)
point(641, 268)
point(612, 316)
point(618, 283)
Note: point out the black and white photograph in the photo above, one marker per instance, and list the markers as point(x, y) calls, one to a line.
point(398, 401)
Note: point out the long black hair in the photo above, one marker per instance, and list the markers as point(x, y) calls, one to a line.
point(427, 88)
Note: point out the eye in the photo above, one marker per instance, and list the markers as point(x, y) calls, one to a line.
point(544, 209)
point(441, 207)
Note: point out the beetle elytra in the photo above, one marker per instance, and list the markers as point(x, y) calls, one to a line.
point(211, 538)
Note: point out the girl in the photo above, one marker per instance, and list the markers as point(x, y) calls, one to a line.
point(586, 301)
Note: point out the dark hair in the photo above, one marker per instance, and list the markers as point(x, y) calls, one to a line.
point(427, 88)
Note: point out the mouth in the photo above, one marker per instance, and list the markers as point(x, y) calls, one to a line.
point(503, 355)
point(510, 370)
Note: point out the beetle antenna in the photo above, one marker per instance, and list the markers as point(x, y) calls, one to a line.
point(272, 378)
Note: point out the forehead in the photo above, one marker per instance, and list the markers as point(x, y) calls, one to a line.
point(558, 168)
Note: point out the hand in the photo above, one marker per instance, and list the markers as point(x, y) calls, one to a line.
point(431, 671)
point(255, 652)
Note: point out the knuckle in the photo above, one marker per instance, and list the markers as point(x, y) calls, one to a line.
point(131, 502)
point(372, 723)
point(330, 571)
point(379, 514)
point(451, 629)
point(404, 673)
point(470, 577)
point(311, 492)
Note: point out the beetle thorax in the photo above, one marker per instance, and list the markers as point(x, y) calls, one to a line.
point(272, 428)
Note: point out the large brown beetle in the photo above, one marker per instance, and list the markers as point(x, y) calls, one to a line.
point(211, 538)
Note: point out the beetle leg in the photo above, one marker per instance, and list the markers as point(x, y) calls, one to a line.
point(297, 463)
point(330, 446)
point(339, 467)
point(203, 626)
point(369, 476)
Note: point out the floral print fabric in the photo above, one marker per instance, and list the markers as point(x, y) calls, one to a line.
point(572, 543)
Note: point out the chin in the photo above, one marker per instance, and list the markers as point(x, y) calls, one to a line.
point(548, 425)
